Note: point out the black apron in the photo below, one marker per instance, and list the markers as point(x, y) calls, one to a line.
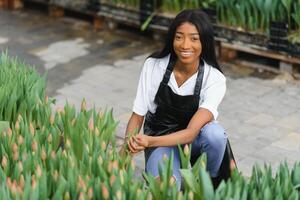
point(173, 112)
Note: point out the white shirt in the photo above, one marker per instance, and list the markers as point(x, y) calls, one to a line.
point(212, 91)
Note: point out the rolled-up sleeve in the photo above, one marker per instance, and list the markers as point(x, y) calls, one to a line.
point(140, 102)
point(212, 96)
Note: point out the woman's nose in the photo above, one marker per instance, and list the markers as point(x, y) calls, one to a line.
point(185, 44)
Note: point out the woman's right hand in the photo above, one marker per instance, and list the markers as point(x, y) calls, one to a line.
point(133, 147)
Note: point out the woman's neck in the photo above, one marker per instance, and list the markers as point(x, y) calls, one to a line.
point(190, 68)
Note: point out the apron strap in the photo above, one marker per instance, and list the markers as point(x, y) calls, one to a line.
point(169, 69)
point(199, 80)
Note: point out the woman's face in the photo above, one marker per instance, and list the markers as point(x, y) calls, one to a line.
point(187, 45)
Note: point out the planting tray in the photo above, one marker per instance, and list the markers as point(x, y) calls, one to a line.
point(234, 35)
point(295, 49)
point(120, 14)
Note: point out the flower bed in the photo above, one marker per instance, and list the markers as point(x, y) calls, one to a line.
point(69, 154)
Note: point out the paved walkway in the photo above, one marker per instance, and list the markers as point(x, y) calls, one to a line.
point(261, 116)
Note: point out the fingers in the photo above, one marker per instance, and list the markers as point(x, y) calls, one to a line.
point(133, 147)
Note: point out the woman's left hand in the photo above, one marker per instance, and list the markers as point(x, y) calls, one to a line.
point(142, 140)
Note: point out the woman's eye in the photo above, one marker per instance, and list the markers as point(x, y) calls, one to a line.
point(177, 37)
point(195, 39)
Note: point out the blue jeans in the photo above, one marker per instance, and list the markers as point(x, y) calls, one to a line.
point(211, 140)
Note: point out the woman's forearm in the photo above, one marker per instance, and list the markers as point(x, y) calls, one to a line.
point(134, 124)
point(185, 136)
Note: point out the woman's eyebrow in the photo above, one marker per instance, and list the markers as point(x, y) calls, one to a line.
point(178, 32)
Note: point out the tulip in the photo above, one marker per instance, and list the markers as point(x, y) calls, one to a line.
point(186, 150)
point(191, 195)
point(17, 125)
point(55, 175)
point(22, 181)
point(51, 120)
point(15, 156)
point(4, 161)
point(105, 192)
point(81, 196)
point(9, 132)
point(119, 195)
point(20, 140)
point(83, 105)
point(90, 193)
point(20, 166)
point(112, 180)
point(34, 146)
point(67, 196)
point(43, 154)
point(38, 171)
point(91, 124)
point(31, 129)
point(49, 138)
point(14, 147)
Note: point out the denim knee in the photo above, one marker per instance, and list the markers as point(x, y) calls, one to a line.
point(213, 134)
point(156, 158)
point(212, 140)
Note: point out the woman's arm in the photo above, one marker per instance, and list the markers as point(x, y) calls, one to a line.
point(185, 136)
point(134, 125)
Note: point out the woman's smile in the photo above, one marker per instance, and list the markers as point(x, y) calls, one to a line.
point(187, 45)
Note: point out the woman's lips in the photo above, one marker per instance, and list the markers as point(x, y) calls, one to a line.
point(186, 53)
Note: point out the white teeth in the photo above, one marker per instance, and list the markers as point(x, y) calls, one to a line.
point(186, 54)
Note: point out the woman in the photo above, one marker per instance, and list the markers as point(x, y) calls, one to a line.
point(179, 91)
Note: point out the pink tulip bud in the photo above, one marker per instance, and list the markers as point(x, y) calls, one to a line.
point(4, 161)
point(97, 133)
point(46, 99)
point(9, 132)
point(91, 124)
point(105, 192)
point(90, 193)
point(53, 155)
point(14, 147)
point(43, 154)
point(17, 125)
point(38, 171)
point(112, 180)
point(34, 146)
point(20, 140)
point(15, 156)
point(33, 183)
point(81, 196)
point(32, 131)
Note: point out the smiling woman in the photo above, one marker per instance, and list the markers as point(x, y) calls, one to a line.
point(179, 91)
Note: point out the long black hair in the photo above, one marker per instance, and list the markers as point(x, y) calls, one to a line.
point(201, 21)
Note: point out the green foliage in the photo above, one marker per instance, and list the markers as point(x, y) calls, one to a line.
point(22, 92)
point(69, 154)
